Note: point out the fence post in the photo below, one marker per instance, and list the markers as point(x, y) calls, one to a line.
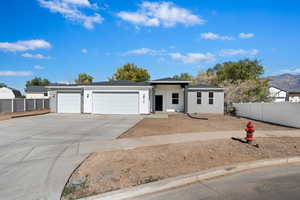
point(34, 104)
point(24, 105)
point(43, 104)
point(12, 105)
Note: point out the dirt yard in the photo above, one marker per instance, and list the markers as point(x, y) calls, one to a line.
point(180, 123)
point(103, 172)
point(23, 114)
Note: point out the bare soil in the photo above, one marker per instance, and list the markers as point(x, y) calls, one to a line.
point(6, 116)
point(109, 171)
point(180, 123)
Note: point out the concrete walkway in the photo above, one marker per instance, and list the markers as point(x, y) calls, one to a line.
point(131, 143)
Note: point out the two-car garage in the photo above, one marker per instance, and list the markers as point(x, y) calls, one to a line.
point(102, 102)
point(117, 97)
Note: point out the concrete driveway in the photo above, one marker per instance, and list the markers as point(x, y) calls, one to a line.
point(37, 154)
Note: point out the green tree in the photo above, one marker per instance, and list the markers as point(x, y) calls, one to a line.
point(84, 78)
point(241, 81)
point(2, 85)
point(245, 69)
point(37, 81)
point(184, 76)
point(130, 72)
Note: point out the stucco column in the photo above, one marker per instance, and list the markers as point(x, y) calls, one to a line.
point(185, 99)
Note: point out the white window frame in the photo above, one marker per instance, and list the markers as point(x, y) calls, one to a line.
point(211, 98)
point(175, 98)
point(199, 98)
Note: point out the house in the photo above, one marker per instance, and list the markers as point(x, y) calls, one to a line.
point(126, 97)
point(9, 93)
point(282, 93)
point(285, 87)
point(36, 92)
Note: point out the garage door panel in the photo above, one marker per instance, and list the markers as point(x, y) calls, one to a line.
point(69, 103)
point(115, 103)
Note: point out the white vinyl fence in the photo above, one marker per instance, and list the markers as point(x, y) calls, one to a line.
point(22, 105)
point(283, 113)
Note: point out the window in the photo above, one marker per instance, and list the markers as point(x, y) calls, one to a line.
point(199, 96)
point(45, 94)
point(175, 98)
point(211, 98)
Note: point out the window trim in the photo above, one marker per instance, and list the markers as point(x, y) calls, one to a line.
point(175, 98)
point(199, 98)
point(211, 98)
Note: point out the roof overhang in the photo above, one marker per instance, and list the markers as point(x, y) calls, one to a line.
point(215, 89)
point(173, 82)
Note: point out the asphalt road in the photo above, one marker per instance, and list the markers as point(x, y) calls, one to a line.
point(272, 183)
point(37, 154)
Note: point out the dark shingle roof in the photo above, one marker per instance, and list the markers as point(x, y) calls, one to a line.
point(170, 79)
point(106, 83)
point(35, 89)
point(204, 86)
point(16, 92)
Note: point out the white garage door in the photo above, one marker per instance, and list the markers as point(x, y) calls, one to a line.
point(68, 102)
point(116, 103)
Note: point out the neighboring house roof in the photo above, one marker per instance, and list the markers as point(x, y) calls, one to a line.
point(169, 80)
point(16, 92)
point(285, 86)
point(203, 86)
point(35, 89)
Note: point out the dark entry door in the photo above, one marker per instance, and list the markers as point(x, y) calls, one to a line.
point(158, 103)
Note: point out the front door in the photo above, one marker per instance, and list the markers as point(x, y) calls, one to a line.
point(158, 103)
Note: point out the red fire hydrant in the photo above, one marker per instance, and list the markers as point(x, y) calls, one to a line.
point(249, 130)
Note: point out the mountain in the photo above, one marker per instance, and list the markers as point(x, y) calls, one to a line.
point(287, 82)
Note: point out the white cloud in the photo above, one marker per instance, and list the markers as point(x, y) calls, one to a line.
point(36, 56)
point(144, 51)
point(38, 67)
point(236, 52)
point(193, 58)
point(84, 51)
point(165, 14)
point(215, 36)
point(246, 35)
point(290, 71)
point(24, 45)
point(70, 10)
point(15, 73)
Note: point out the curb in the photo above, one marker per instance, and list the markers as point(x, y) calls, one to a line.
point(178, 181)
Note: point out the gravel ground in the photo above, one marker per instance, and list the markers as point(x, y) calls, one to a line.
point(180, 123)
point(107, 171)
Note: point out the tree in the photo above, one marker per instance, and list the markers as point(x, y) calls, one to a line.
point(184, 76)
point(241, 81)
point(245, 69)
point(2, 85)
point(37, 81)
point(84, 78)
point(131, 72)
point(208, 77)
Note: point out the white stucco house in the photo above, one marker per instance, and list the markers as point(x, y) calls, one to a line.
point(126, 97)
point(36, 92)
point(280, 93)
point(9, 93)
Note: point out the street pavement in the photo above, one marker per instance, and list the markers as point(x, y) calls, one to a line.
point(272, 183)
point(38, 153)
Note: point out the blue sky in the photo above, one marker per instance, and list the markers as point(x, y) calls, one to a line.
point(57, 39)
